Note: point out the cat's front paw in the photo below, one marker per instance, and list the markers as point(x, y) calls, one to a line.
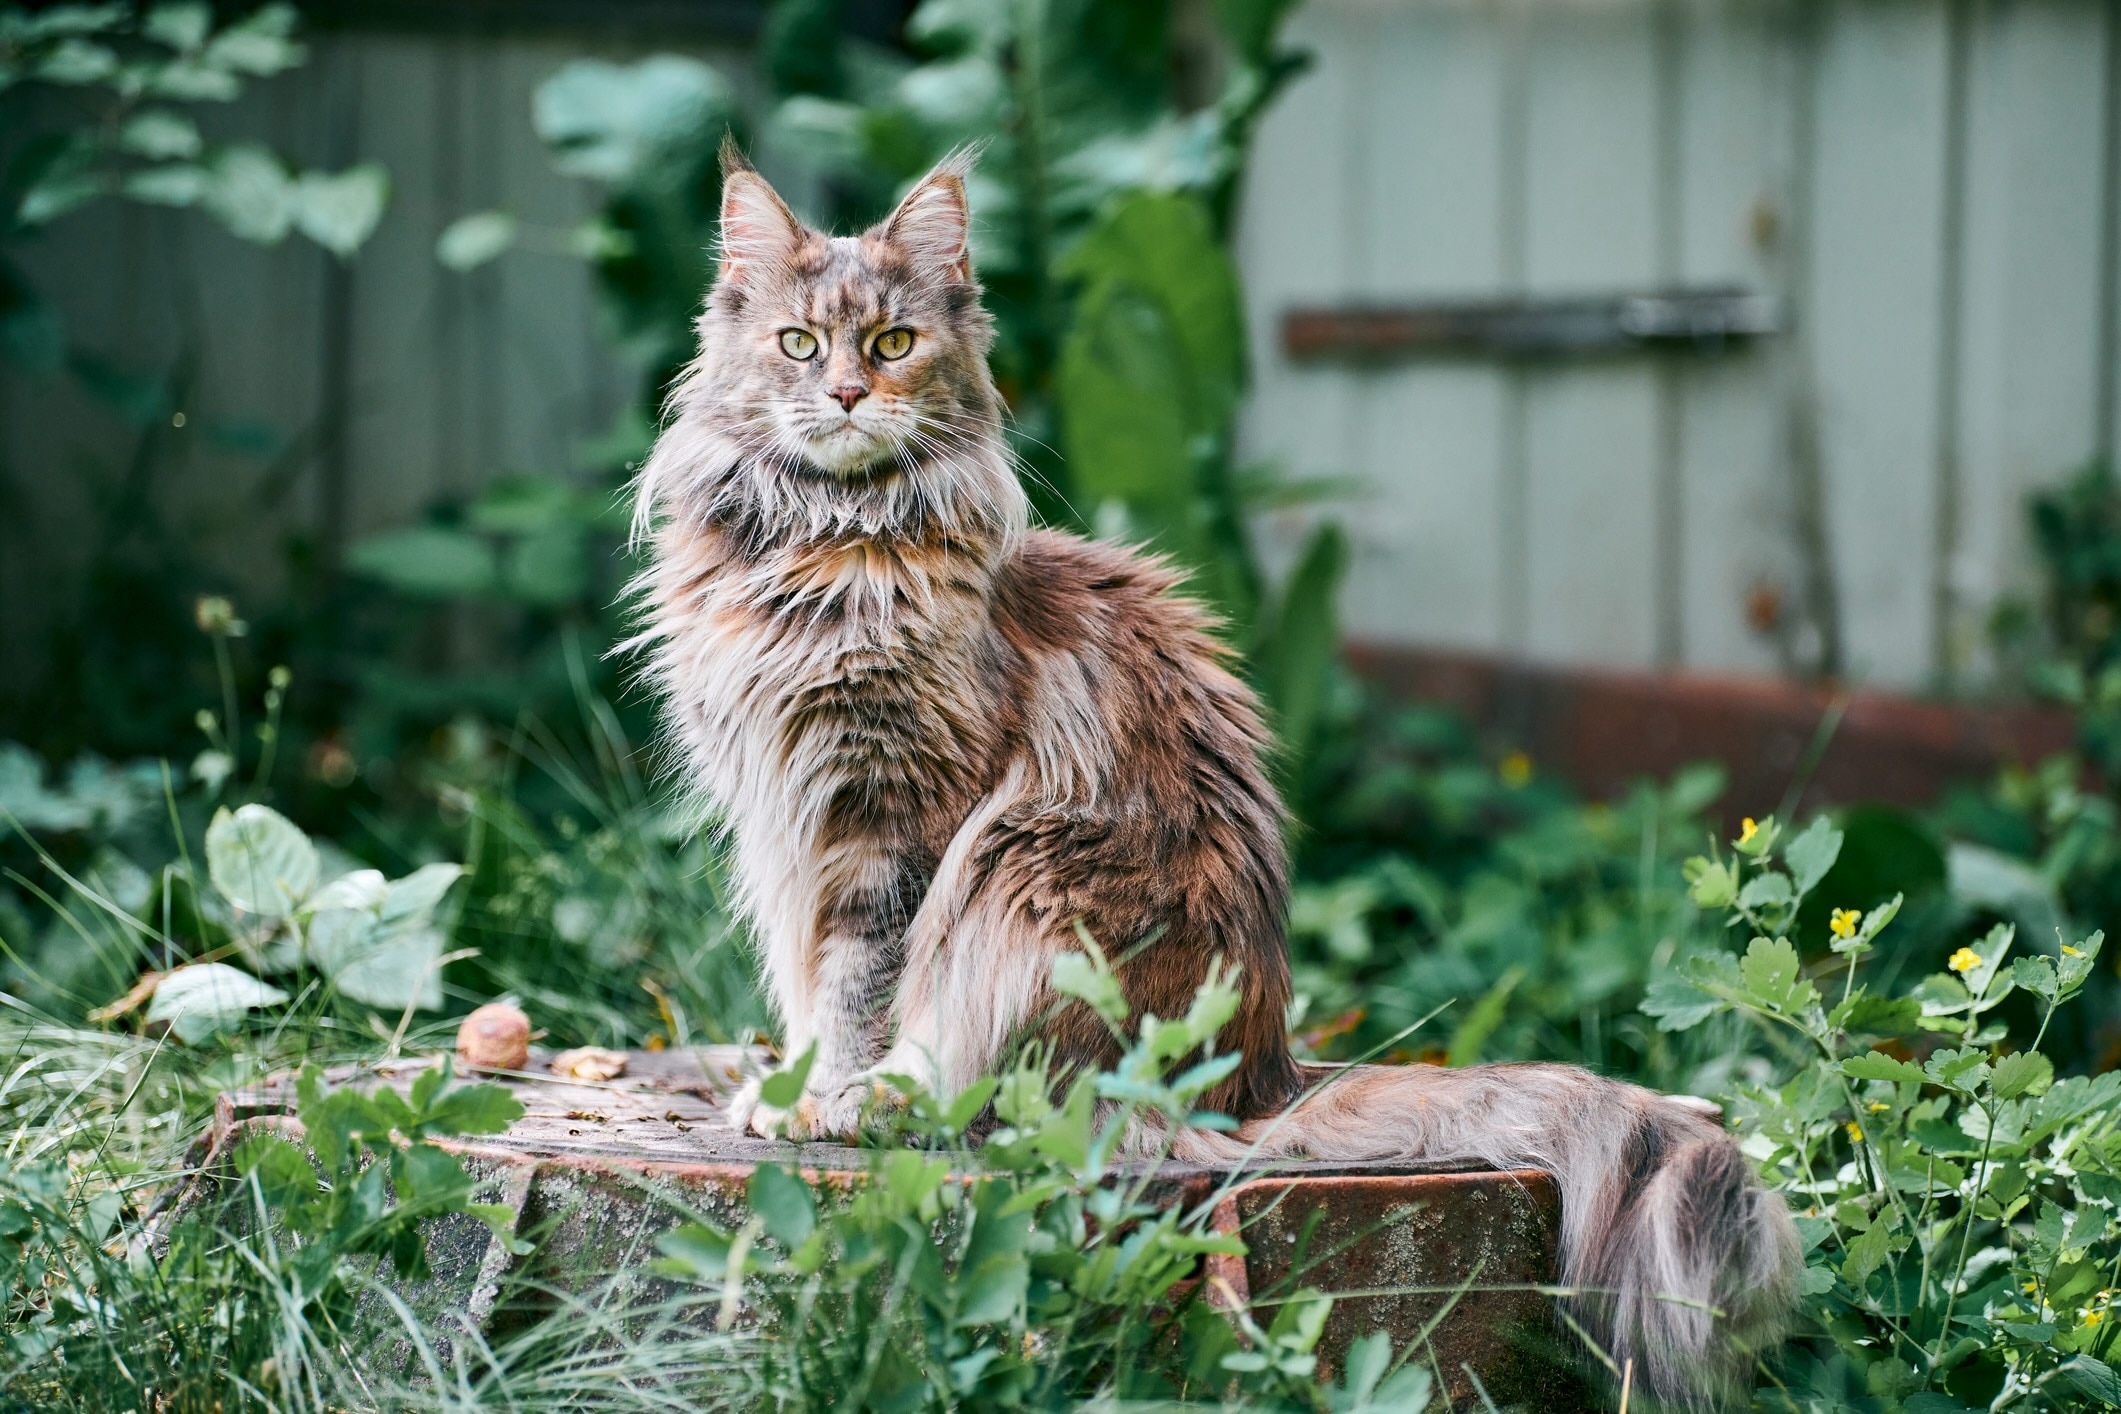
point(747, 1112)
point(798, 1123)
point(841, 1114)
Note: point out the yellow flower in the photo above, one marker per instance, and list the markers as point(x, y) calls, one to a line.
point(2092, 1318)
point(1747, 828)
point(2031, 1287)
point(2068, 951)
point(1879, 1107)
point(1515, 770)
point(1964, 960)
point(1844, 922)
point(1855, 1132)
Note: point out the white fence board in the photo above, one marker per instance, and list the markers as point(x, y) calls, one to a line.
point(1591, 568)
point(1431, 565)
point(2029, 382)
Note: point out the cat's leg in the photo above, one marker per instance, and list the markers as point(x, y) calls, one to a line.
point(971, 969)
point(844, 973)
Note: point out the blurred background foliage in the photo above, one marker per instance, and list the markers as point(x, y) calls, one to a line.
point(1440, 870)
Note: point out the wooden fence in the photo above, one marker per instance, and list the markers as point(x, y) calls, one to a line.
point(1925, 192)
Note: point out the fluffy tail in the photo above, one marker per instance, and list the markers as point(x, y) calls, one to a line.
point(1681, 1261)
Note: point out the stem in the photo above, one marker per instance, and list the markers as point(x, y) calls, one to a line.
point(1966, 1234)
point(2041, 1034)
point(229, 726)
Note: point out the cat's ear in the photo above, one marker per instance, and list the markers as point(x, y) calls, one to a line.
point(758, 229)
point(933, 223)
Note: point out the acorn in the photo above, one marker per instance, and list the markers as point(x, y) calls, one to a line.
point(495, 1037)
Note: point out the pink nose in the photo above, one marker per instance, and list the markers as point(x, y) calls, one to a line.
point(847, 397)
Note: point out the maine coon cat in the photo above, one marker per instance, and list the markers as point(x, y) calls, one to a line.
point(937, 738)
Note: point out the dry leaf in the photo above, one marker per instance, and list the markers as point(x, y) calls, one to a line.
point(589, 1063)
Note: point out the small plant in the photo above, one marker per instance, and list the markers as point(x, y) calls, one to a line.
point(1958, 1199)
point(104, 1311)
point(1034, 1273)
point(382, 1173)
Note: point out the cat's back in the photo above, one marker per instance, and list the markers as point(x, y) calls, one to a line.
point(1109, 630)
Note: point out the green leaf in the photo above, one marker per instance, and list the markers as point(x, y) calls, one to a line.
point(632, 123)
point(1151, 367)
point(472, 241)
point(1874, 1065)
point(204, 997)
point(2075, 963)
point(259, 861)
point(1711, 884)
point(1812, 853)
point(1867, 1253)
point(783, 1204)
point(339, 210)
point(1876, 1015)
point(2021, 1073)
point(966, 1105)
point(58, 194)
point(283, 1172)
point(392, 969)
point(250, 193)
point(1765, 889)
point(192, 79)
point(1993, 948)
point(2036, 974)
point(259, 44)
point(429, 561)
point(785, 1086)
point(77, 61)
point(695, 1250)
point(472, 1109)
point(1482, 1018)
point(160, 135)
point(2092, 1378)
point(179, 184)
point(411, 901)
point(1296, 660)
point(1769, 974)
point(1125, 424)
point(1086, 977)
point(1962, 1069)
point(549, 568)
point(994, 1291)
point(179, 26)
point(1678, 1004)
point(1163, 246)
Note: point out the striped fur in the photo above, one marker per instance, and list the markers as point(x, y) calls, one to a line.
point(937, 740)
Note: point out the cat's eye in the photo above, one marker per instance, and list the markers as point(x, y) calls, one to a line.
point(798, 344)
point(894, 343)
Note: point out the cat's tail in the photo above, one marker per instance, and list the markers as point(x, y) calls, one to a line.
point(1677, 1258)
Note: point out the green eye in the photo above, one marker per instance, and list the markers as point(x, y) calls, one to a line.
point(894, 343)
point(798, 344)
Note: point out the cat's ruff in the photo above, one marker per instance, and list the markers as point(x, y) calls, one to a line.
point(936, 739)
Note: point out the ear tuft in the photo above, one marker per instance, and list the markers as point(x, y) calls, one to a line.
point(732, 156)
point(933, 223)
point(757, 226)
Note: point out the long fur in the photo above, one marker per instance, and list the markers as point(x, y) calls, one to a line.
point(938, 741)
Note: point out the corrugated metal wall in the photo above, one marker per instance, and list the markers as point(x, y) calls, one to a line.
point(1928, 183)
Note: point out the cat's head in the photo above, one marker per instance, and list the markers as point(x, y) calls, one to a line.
point(857, 358)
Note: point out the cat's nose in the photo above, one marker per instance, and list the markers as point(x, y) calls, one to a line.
point(848, 396)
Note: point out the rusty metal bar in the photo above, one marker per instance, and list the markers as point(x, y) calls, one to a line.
point(1532, 328)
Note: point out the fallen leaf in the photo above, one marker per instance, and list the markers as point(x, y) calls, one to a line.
point(589, 1063)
